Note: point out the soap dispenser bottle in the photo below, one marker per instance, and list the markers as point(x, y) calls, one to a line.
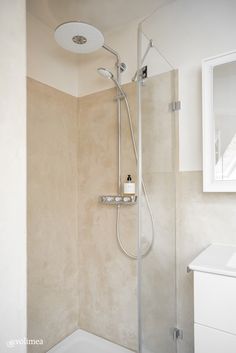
point(129, 186)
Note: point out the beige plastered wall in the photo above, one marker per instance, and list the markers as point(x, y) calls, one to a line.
point(52, 215)
point(107, 278)
point(77, 275)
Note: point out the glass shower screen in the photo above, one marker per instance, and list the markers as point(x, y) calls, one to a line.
point(157, 129)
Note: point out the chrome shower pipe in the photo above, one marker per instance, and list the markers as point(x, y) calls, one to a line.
point(118, 72)
point(122, 96)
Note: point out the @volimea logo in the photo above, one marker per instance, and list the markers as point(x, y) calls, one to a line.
point(23, 342)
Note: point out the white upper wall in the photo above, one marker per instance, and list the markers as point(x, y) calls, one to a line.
point(124, 41)
point(185, 31)
point(13, 174)
point(72, 73)
point(46, 61)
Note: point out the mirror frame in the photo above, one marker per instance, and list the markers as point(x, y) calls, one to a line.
point(210, 184)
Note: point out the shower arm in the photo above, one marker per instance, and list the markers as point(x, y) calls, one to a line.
point(118, 60)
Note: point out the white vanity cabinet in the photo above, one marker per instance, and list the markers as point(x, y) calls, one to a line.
point(215, 299)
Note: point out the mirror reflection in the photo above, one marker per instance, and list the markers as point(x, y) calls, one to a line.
point(224, 107)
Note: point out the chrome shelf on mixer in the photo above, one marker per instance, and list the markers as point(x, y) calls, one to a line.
point(118, 199)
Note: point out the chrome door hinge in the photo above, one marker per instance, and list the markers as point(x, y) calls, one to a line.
point(178, 334)
point(143, 73)
point(175, 106)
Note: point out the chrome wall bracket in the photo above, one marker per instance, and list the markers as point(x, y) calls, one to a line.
point(178, 334)
point(119, 97)
point(122, 67)
point(175, 106)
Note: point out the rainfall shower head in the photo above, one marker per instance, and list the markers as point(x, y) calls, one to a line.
point(79, 37)
point(105, 73)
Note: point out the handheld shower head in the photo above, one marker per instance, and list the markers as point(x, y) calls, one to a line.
point(105, 73)
point(109, 75)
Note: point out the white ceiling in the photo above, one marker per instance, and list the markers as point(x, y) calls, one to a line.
point(103, 14)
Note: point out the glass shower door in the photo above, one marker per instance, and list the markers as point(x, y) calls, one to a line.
point(157, 179)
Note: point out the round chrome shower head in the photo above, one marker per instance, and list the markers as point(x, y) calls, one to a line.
point(105, 73)
point(79, 37)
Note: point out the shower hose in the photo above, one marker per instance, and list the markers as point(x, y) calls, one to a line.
point(148, 248)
